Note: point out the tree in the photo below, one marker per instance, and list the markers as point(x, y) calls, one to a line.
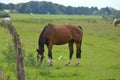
point(11, 6)
point(1, 6)
point(115, 14)
point(24, 8)
point(106, 11)
point(44, 7)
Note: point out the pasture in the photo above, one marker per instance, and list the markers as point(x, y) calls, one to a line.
point(100, 49)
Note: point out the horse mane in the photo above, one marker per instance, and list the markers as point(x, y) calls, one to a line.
point(41, 42)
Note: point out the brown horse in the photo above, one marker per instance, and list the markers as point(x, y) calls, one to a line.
point(58, 35)
point(116, 21)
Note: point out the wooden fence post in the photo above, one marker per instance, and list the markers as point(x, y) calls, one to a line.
point(15, 41)
point(1, 75)
point(20, 64)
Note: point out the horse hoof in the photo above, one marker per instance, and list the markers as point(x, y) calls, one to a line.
point(77, 64)
point(49, 65)
point(66, 64)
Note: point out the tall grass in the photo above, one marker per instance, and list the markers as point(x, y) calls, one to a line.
point(7, 55)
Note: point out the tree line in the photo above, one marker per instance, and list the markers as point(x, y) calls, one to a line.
point(44, 7)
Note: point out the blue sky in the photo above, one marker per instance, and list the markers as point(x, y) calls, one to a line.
point(86, 3)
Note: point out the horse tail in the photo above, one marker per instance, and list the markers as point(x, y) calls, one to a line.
point(80, 28)
point(81, 31)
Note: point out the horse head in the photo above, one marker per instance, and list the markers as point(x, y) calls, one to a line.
point(40, 55)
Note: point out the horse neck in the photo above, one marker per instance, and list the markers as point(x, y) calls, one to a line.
point(41, 41)
point(41, 44)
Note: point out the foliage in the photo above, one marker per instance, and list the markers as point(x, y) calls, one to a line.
point(44, 7)
point(106, 11)
point(115, 14)
point(3, 14)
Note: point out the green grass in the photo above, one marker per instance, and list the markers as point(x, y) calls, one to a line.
point(44, 16)
point(100, 48)
point(7, 55)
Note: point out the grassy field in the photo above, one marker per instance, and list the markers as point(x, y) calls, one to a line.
point(7, 55)
point(100, 49)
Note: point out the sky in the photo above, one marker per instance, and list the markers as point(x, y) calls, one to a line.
point(75, 3)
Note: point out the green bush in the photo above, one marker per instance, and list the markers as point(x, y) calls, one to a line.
point(4, 14)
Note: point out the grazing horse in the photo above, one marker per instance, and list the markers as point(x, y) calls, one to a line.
point(58, 35)
point(7, 20)
point(116, 21)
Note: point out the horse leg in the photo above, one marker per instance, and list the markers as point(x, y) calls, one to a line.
point(50, 54)
point(71, 52)
point(78, 52)
point(115, 24)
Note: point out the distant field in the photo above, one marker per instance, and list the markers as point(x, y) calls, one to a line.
point(44, 16)
point(100, 49)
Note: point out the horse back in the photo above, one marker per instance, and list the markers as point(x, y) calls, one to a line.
point(57, 34)
point(76, 31)
point(118, 21)
point(62, 34)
